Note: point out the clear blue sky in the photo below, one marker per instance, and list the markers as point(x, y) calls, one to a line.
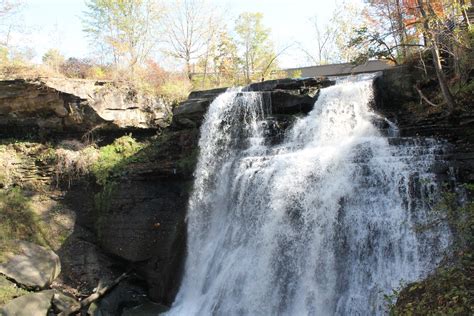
point(57, 23)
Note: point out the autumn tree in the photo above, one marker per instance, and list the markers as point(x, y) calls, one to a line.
point(255, 46)
point(125, 29)
point(225, 59)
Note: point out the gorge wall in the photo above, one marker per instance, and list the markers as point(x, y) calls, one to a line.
point(143, 226)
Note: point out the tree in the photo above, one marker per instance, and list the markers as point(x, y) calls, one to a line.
point(255, 45)
point(126, 29)
point(331, 38)
point(190, 27)
point(8, 10)
point(221, 60)
point(437, 22)
point(433, 39)
point(54, 59)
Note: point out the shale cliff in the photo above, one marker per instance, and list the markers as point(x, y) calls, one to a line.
point(128, 213)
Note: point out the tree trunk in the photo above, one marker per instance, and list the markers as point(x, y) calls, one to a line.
point(448, 97)
point(188, 68)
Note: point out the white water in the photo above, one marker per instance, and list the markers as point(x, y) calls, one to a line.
point(322, 224)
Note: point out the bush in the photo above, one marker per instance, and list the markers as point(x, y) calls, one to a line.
point(112, 157)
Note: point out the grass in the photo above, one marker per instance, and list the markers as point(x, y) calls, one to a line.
point(9, 291)
point(18, 221)
point(8, 160)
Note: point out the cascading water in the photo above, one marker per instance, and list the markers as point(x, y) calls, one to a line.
point(321, 224)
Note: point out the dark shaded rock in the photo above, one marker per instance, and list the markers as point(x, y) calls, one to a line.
point(287, 103)
point(282, 96)
point(144, 223)
point(126, 294)
point(290, 84)
point(146, 309)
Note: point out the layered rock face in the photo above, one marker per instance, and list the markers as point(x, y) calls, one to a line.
point(144, 227)
point(74, 105)
point(398, 100)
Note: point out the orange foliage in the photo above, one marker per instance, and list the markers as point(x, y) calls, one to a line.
point(412, 12)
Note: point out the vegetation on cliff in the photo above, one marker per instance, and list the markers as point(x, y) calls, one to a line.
point(450, 289)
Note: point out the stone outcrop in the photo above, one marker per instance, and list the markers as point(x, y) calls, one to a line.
point(144, 223)
point(143, 226)
point(33, 267)
point(282, 96)
point(74, 105)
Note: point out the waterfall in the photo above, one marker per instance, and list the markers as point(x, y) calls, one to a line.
point(321, 223)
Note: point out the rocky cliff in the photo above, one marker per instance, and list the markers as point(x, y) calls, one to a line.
point(134, 220)
point(76, 106)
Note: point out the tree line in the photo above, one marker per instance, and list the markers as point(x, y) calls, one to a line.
point(133, 39)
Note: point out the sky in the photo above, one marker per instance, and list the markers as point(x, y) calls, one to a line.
point(57, 24)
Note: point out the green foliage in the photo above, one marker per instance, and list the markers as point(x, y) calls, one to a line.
point(295, 74)
point(114, 156)
point(125, 30)
point(18, 221)
point(175, 90)
point(372, 45)
point(53, 58)
point(254, 40)
point(450, 290)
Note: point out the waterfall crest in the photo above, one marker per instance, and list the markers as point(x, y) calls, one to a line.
point(322, 223)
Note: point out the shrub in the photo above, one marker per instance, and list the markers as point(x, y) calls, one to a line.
point(74, 162)
point(112, 157)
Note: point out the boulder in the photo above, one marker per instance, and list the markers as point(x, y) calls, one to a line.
point(77, 105)
point(62, 302)
point(34, 304)
point(33, 267)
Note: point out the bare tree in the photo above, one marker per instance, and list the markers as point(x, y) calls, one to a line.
point(190, 26)
point(8, 10)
